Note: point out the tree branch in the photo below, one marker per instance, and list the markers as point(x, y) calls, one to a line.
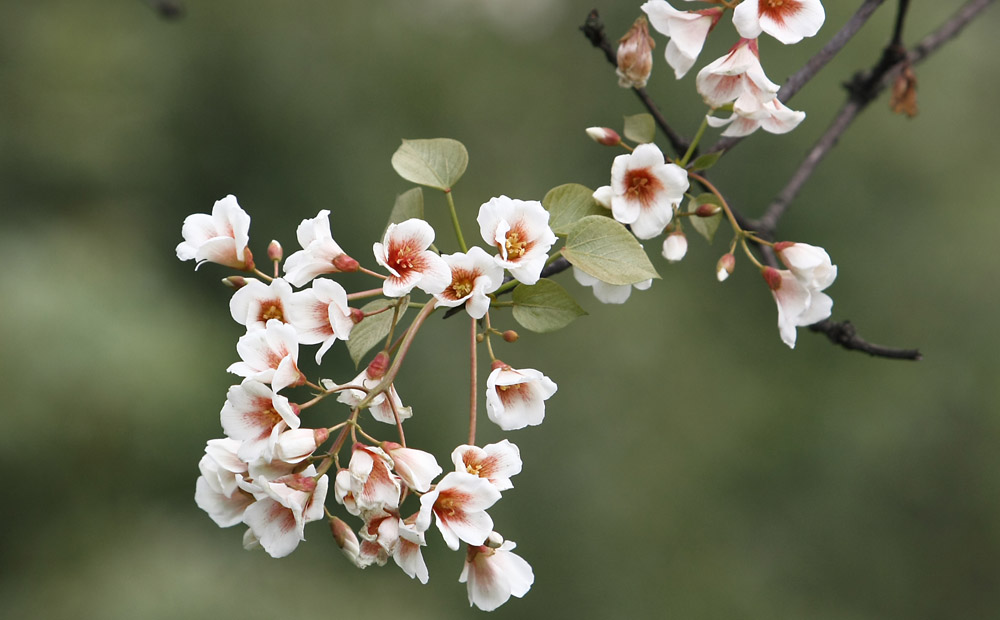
point(845, 335)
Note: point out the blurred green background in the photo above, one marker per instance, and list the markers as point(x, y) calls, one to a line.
point(690, 466)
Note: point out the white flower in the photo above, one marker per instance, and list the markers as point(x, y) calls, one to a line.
point(645, 190)
point(603, 196)
point(217, 490)
point(404, 253)
point(459, 502)
point(368, 481)
point(296, 445)
point(749, 115)
point(218, 238)
point(735, 75)
point(809, 263)
point(609, 293)
point(786, 20)
point(520, 230)
point(319, 254)
point(278, 517)
point(321, 315)
point(381, 406)
point(269, 355)
point(256, 303)
point(687, 31)
point(494, 575)
point(473, 275)
point(256, 415)
point(675, 246)
point(496, 462)
point(516, 398)
point(407, 555)
point(416, 467)
point(798, 303)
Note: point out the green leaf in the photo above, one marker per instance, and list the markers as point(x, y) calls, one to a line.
point(706, 161)
point(544, 306)
point(437, 163)
point(607, 250)
point(706, 226)
point(409, 204)
point(370, 332)
point(569, 203)
point(640, 128)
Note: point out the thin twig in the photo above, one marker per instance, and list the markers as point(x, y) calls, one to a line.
point(845, 335)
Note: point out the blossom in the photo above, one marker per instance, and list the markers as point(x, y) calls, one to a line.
point(749, 115)
point(384, 407)
point(407, 554)
point(493, 575)
point(296, 445)
point(319, 254)
point(675, 246)
point(645, 189)
point(367, 486)
point(416, 467)
point(256, 415)
point(735, 75)
point(473, 275)
point(217, 491)
point(278, 517)
point(635, 55)
point(520, 230)
point(609, 293)
point(404, 253)
point(603, 196)
point(516, 398)
point(321, 315)
point(269, 355)
point(256, 303)
point(687, 31)
point(496, 462)
point(809, 263)
point(221, 237)
point(459, 501)
point(786, 20)
point(798, 303)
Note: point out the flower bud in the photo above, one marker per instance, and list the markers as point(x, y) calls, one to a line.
point(605, 136)
point(707, 209)
point(724, 268)
point(510, 335)
point(345, 263)
point(346, 540)
point(493, 541)
point(480, 337)
point(274, 251)
point(635, 55)
point(235, 282)
point(675, 246)
point(377, 367)
point(357, 315)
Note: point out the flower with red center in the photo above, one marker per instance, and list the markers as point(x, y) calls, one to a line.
point(473, 276)
point(786, 20)
point(269, 355)
point(459, 502)
point(519, 229)
point(798, 303)
point(321, 315)
point(645, 189)
point(496, 462)
point(369, 481)
point(516, 398)
point(278, 517)
point(256, 415)
point(319, 253)
point(218, 238)
point(687, 31)
point(737, 75)
point(404, 253)
point(256, 303)
point(493, 575)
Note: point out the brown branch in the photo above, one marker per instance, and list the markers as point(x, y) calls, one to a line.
point(845, 335)
point(593, 29)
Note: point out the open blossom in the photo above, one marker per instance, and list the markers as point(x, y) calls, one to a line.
point(269, 355)
point(459, 501)
point(493, 575)
point(217, 491)
point(404, 253)
point(368, 486)
point(496, 462)
point(736, 75)
point(416, 468)
point(687, 31)
point(809, 263)
point(519, 229)
point(319, 254)
point(645, 189)
point(473, 275)
point(786, 20)
point(384, 407)
point(516, 398)
point(283, 507)
point(609, 293)
point(256, 303)
point(256, 415)
point(749, 115)
point(798, 303)
point(407, 554)
point(321, 315)
point(635, 55)
point(221, 237)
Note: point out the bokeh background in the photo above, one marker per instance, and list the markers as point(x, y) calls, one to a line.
point(690, 466)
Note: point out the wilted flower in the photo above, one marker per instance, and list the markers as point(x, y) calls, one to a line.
point(635, 55)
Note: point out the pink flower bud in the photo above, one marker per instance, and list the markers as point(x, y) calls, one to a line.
point(321, 435)
point(707, 210)
point(357, 315)
point(635, 55)
point(724, 268)
point(346, 264)
point(498, 364)
point(377, 367)
point(274, 251)
point(235, 282)
point(510, 336)
point(605, 136)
